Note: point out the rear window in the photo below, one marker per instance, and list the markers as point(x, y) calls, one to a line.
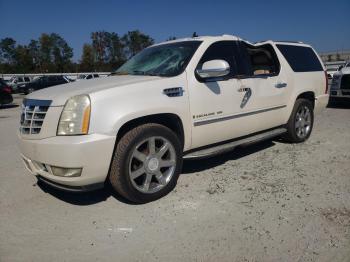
point(301, 58)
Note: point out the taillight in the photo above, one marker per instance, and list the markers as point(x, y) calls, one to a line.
point(7, 89)
point(326, 75)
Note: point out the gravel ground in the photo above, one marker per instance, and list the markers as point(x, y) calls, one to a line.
point(266, 202)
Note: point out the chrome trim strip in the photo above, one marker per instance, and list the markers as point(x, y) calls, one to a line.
point(210, 121)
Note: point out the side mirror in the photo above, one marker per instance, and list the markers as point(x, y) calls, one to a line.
point(214, 68)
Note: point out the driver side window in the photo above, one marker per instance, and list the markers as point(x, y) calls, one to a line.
point(223, 50)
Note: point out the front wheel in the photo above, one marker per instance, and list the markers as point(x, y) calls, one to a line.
point(300, 123)
point(146, 163)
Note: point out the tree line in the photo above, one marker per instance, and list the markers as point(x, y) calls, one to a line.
point(51, 53)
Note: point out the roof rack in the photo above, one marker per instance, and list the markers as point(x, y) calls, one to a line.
point(282, 41)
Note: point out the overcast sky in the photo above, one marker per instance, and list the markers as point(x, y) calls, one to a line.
point(323, 24)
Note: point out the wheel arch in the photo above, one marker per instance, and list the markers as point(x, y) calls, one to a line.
point(308, 95)
point(170, 120)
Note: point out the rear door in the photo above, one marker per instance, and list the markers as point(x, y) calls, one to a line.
point(267, 85)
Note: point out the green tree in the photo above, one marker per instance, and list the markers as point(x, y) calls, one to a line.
point(7, 51)
point(135, 41)
point(24, 60)
point(116, 55)
point(54, 53)
point(108, 50)
point(87, 62)
point(99, 45)
point(34, 51)
point(45, 47)
point(61, 53)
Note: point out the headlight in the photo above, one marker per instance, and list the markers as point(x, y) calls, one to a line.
point(75, 117)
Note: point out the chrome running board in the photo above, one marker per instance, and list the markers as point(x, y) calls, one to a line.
point(201, 153)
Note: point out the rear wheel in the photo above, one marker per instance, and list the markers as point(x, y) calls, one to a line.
point(300, 123)
point(147, 163)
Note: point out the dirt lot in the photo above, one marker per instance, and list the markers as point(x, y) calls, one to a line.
point(267, 202)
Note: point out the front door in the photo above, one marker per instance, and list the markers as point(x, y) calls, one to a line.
point(213, 102)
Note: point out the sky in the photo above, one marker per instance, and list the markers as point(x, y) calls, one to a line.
point(323, 24)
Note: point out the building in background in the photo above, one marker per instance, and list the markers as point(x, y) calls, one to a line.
point(335, 56)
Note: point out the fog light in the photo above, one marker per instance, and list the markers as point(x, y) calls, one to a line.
point(66, 172)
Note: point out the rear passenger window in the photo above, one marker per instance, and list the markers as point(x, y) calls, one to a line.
point(262, 59)
point(301, 58)
point(96, 76)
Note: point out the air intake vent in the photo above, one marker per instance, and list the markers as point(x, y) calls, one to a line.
point(173, 92)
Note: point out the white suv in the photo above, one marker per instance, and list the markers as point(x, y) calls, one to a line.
point(340, 87)
point(188, 98)
point(17, 82)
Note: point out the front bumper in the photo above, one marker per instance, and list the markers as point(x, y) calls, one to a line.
point(92, 153)
point(342, 93)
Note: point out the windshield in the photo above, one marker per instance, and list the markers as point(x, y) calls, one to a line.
point(161, 60)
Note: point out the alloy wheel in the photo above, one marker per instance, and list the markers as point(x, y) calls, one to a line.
point(152, 164)
point(303, 122)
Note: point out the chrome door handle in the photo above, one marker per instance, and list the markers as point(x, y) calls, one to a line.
point(244, 89)
point(281, 85)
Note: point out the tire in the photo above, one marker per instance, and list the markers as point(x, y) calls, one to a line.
point(137, 171)
point(302, 118)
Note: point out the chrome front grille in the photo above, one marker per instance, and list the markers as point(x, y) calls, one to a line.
point(33, 115)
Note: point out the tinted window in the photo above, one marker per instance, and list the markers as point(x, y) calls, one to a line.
point(89, 77)
point(26, 79)
point(301, 58)
point(223, 50)
point(95, 76)
point(52, 78)
point(261, 60)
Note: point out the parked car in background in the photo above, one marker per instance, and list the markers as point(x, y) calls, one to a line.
point(87, 77)
point(16, 82)
point(188, 98)
point(340, 88)
point(5, 93)
point(43, 82)
point(331, 71)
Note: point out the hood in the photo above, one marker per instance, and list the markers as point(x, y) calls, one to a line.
point(59, 94)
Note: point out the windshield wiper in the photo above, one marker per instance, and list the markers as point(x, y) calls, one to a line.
point(155, 74)
point(139, 72)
